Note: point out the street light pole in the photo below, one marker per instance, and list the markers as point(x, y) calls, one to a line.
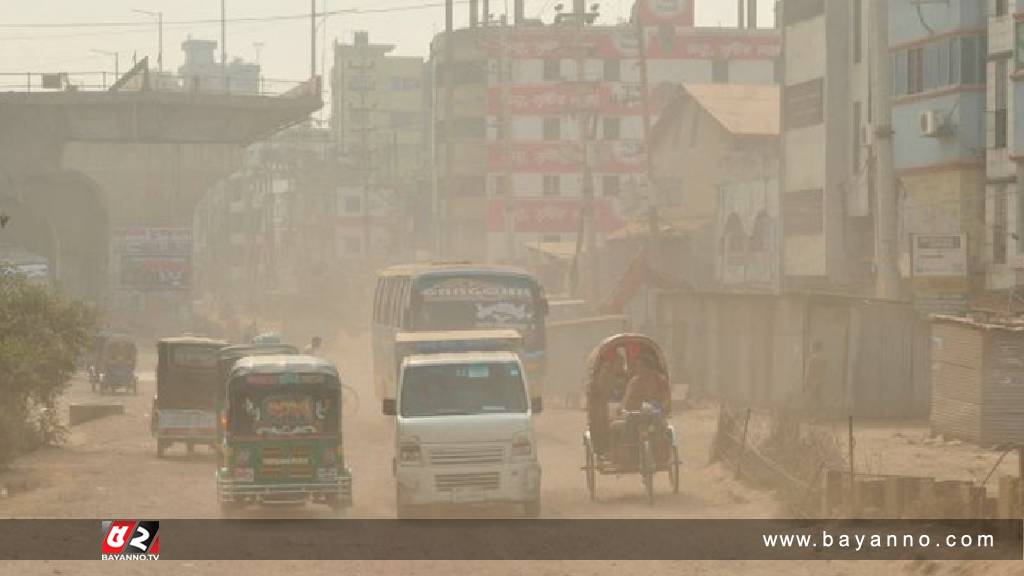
point(160, 35)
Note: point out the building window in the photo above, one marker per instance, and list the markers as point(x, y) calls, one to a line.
point(612, 70)
point(720, 71)
point(552, 69)
point(1000, 225)
point(1001, 118)
point(1019, 45)
point(553, 128)
point(353, 205)
point(611, 128)
point(858, 31)
point(1001, 7)
point(501, 185)
point(610, 185)
point(915, 71)
point(552, 185)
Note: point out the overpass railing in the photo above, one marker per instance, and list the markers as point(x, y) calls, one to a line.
point(98, 81)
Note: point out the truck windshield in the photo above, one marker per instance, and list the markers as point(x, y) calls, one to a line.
point(463, 389)
point(283, 411)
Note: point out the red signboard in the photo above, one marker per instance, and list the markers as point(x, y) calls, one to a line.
point(566, 97)
point(156, 272)
point(663, 42)
point(548, 215)
point(560, 157)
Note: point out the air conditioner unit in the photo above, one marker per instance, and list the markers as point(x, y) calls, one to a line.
point(933, 124)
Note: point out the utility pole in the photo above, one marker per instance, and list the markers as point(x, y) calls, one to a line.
point(448, 73)
point(887, 273)
point(312, 39)
point(645, 104)
point(223, 46)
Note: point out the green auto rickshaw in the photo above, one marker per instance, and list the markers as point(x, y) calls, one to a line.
point(279, 427)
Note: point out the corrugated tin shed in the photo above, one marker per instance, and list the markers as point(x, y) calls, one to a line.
point(978, 379)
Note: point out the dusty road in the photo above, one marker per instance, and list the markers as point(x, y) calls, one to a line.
point(108, 468)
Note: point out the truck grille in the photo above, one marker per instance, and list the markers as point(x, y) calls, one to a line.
point(483, 480)
point(473, 455)
point(280, 463)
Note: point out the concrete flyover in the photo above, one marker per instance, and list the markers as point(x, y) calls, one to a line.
point(78, 168)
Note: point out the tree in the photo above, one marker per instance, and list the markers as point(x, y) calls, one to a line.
point(42, 333)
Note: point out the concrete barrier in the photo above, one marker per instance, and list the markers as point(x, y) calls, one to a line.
point(79, 413)
point(569, 345)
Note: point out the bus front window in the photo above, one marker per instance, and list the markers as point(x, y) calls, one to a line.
point(480, 304)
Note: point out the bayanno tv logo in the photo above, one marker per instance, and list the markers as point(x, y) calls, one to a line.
point(130, 540)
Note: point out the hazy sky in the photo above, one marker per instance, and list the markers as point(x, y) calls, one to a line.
point(285, 43)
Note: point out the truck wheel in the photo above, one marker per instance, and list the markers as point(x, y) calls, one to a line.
point(532, 508)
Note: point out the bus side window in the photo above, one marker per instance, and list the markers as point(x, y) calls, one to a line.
point(399, 302)
point(377, 297)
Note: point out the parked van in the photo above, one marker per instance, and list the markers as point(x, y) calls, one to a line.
point(464, 432)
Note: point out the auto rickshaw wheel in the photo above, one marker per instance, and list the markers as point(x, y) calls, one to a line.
point(230, 509)
point(647, 468)
point(135, 386)
point(334, 503)
point(161, 446)
point(590, 467)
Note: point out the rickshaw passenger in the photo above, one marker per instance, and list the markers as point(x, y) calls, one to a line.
point(648, 384)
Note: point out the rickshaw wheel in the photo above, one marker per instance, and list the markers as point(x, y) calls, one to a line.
point(647, 469)
point(590, 467)
point(673, 469)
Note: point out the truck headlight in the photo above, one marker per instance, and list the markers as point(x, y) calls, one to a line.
point(409, 451)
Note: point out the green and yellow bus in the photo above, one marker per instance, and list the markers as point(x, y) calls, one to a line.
point(440, 297)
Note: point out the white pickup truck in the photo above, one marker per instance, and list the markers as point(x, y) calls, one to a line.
point(464, 432)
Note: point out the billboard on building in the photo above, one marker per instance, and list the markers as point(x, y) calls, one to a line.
point(154, 258)
point(938, 255)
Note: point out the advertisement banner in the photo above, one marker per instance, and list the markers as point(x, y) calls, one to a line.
point(145, 240)
point(158, 272)
point(567, 97)
point(548, 215)
point(560, 157)
point(939, 255)
point(670, 42)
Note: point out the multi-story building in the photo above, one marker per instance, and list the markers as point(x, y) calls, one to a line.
point(938, 60)
point(1004, 231)
point(531, 101)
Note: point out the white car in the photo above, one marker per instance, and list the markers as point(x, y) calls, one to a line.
point(464, 432)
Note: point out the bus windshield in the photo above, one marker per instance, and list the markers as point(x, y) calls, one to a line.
point(469, 303)
point(283, 411)
point(463, 389)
